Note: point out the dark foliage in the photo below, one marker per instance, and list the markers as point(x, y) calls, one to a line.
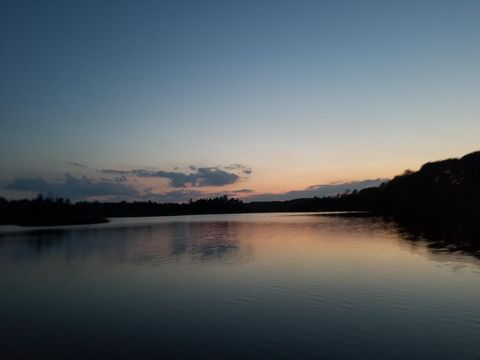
point(451, 185)
point(51, 211)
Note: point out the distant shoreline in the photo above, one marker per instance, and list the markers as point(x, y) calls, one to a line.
point(60, 222)
point(64, 221)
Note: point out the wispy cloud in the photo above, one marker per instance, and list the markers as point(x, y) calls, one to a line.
point(239, 167)
point(242, 191)
point(73, 187)
point(73, 163)
point(175, 196)
point(318, 190)
point(116, 172)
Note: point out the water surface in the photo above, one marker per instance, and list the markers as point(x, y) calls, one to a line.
point(235, 287)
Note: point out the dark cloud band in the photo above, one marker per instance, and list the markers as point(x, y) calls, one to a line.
point(197, 177)
point(73, 187)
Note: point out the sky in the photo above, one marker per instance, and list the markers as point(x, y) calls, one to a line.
point(171, 100)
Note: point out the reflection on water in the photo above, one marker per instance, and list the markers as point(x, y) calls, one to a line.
point(443, 235)
point(148, 245)
point(242, 286)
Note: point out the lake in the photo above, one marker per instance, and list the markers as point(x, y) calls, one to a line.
point(279, 286)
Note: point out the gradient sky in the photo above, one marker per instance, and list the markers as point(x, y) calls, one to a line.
point(295, 93)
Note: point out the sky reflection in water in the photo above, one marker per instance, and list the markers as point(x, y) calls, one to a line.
point(236, 286)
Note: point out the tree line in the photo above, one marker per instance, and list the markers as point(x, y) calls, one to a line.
point(447, 186)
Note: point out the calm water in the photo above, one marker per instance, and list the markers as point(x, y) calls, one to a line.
point(237, 286)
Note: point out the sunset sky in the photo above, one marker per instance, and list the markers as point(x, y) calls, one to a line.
point(171, 100)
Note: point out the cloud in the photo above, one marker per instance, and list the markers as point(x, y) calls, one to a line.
point(200, 177)
point(242, 191)
point(73, 187)
point(174, 196)
point(116, 172)
point(197, 177)
point(234, 167)
point(73, 163)
point(244, 169)
point(318, 190)
point(125, 184)
point(121, 178)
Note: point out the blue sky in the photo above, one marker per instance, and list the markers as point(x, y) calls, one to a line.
point(299, 93)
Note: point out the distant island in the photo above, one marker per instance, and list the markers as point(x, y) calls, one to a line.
point(449, 186)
